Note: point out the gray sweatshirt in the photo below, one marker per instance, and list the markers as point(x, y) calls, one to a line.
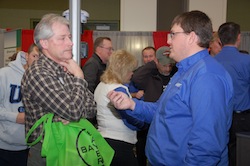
point(12, 134)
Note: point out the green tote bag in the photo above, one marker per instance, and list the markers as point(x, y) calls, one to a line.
point(74, 144)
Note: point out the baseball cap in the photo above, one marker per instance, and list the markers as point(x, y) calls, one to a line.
point(162, 55)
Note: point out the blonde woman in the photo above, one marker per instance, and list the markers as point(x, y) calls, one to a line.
point(117, 127)
point(215, 45)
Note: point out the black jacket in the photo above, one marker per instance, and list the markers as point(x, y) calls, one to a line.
point(148, 78)
point(93, 69)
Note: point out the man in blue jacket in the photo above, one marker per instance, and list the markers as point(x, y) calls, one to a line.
point(238, 66)
point(191, 120)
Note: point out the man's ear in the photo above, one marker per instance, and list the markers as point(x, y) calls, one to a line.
point(193, 37)
point(238, 40)
point(44, 43)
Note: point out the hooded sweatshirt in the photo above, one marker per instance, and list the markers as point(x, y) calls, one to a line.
point(12, 134)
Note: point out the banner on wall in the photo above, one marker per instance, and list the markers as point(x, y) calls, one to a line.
point(12, 44)
point(160, 39)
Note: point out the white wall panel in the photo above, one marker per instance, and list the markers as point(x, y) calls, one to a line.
point(215, 9)
point(138, 15)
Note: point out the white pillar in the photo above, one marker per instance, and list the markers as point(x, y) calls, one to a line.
point(75, 26)
point(138, 15)
point(215, 9)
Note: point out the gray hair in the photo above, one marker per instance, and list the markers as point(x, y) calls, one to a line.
point(44, 29)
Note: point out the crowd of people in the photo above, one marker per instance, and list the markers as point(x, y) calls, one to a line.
point(183, 106)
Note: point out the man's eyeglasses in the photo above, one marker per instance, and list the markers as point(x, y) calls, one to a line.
point(109, 49)
point(172, 34)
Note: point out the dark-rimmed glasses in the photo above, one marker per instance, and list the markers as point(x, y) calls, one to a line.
point(109, 49)
point(172, 34)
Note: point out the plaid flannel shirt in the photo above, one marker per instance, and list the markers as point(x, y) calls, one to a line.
point(47, 88)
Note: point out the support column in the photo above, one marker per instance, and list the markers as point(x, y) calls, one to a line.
point(75, 26)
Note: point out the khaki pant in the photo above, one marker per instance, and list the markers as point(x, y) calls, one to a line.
point(35, 158)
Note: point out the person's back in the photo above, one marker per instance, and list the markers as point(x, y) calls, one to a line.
point(237, 64)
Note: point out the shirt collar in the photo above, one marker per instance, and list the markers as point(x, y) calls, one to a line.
point(96, 56)
point(229, 48)
point(50, 63)
point(189, 61)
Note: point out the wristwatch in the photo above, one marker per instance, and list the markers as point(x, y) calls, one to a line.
point(21, 109)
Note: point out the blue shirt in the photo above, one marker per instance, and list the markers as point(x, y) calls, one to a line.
point(238, 66)
point(191, 120)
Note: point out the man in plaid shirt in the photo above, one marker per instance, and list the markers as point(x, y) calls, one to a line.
point(55, 83)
